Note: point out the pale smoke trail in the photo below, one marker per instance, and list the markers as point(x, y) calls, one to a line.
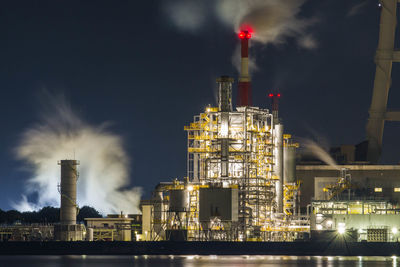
point(314, 149)
point(104, 164)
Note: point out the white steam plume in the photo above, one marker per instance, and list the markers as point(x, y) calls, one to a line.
point(104, 164)
point(270, 21)
point(316, 150)
point(273, 21)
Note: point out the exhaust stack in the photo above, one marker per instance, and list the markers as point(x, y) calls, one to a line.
point(244, 98)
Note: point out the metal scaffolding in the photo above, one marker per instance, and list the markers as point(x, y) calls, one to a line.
point(235, 188)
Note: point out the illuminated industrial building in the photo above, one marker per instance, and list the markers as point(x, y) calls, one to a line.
point(244, 181)
point(347, 207)
point(240, 183)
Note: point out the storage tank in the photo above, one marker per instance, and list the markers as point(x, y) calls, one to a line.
point(89, 234)
point(289, 164)
point(69, 177)
point(178, 200)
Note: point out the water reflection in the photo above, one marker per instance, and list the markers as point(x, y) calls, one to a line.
point(196, 261)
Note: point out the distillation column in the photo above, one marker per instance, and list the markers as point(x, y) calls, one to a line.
point(384, 57)
point(278, 151)
point(278, 167)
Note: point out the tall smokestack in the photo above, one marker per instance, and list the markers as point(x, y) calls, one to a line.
point(275, 105)
point(68, 230)
point(69, 177)
point(244, 79)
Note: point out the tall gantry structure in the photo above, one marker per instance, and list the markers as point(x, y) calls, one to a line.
point(386, 54)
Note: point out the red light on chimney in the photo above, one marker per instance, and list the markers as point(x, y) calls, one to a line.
point(244, 35)
point(278, 95)
point(271, 95)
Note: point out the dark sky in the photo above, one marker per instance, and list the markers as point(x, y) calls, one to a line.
point(123, 62)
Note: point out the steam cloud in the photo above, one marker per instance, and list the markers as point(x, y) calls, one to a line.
point(273, 21)
point(104, 165)
point(316, 150)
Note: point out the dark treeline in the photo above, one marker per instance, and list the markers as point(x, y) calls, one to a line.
point(45, 215)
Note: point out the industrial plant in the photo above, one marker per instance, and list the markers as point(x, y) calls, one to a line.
point(246, 180)
point(243, 184)
point(240, 182)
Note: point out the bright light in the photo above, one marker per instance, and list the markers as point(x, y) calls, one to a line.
point(244, 35)
point(394, 230)
point(341, 228)
point(190, 188)
point(329, 223)
point(224, 129)
point(319, 227)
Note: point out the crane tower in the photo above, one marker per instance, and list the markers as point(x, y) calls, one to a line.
point(386, 54)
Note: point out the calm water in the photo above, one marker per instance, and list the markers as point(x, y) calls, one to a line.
point(194, 261)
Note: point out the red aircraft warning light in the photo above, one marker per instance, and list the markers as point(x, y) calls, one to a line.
point(244, 35)
point(271, 95)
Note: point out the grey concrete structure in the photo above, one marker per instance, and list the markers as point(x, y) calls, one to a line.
point(69, 177)
point(218, 202)
point(68, 230)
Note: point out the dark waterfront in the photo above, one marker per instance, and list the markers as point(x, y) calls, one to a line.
point(194, 261)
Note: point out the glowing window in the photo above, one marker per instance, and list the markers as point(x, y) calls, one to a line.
point(396, 189)
point(378, 189)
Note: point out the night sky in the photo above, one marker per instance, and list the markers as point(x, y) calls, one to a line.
point(124, 62)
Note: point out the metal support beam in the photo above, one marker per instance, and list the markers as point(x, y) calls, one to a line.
point(385, 55)
point(392, 116)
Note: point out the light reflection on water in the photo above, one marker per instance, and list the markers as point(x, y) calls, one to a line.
point(196, 261)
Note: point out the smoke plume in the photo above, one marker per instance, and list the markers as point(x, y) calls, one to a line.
point(271, 21)
point(104, 165)
point(317, 151)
